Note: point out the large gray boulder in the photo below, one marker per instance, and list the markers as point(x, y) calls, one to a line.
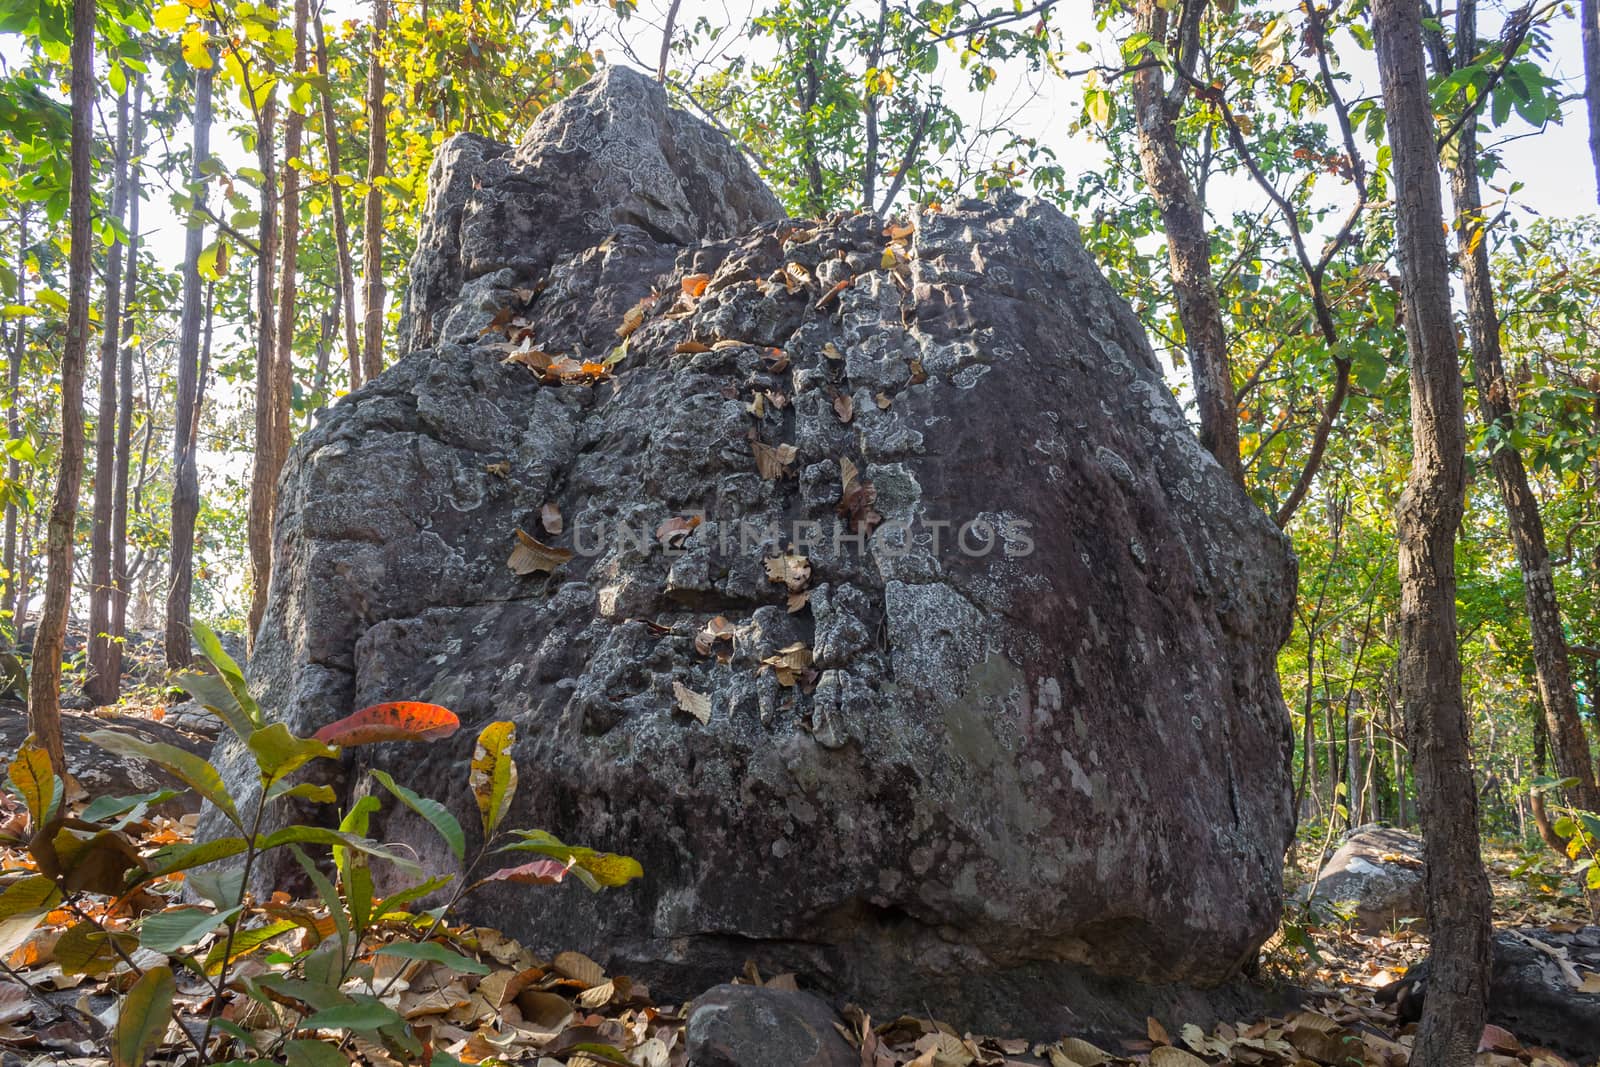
point(1378, 878)
point(1040, 735)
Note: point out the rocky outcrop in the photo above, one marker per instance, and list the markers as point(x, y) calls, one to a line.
point(749, 1026)
point(1544, 987)
point(992, 705)
point(1377, 878)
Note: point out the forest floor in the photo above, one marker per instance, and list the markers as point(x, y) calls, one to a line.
point(555, 1012)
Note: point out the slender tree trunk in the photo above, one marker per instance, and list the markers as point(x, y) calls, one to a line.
point(372, 227)
point(1552, 665)
point(44, 688)
point(1429, 516)
point(347, 279)
point(119, 502)
point(264, 472)
point(186, 475)
point(1589, 15)
point(1188, 243)
point(100, 685)
point(275, 380)
point(19, 348)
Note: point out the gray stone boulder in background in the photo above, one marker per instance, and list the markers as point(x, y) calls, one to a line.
point(1377, 876)
point(1020, 731)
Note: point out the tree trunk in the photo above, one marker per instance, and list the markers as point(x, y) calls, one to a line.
point(1589, 15)
point(275, 380)
point(372, 227)
point(100, 685)
point(186, 475)
point(19, 348)
point(264, 471)
point(119, 497)
point(1552, 665)
point(347, 279)
point(44, 686)
point(1429, 515)
point(1188, 243)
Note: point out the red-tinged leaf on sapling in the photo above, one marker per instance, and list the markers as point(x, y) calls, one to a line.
point(401, 720)
point(538, 872)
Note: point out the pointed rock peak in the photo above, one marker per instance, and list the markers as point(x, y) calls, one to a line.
point(613, 154)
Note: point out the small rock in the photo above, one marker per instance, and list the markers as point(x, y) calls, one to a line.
point(1379, 871)
point(749, 1026)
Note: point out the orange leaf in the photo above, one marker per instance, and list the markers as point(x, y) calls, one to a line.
point(695, 284)
point(402, 720)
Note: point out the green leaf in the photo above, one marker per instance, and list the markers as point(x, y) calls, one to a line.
point(244, 943)
point(329, 895)
point(170, 859)
point(303, 1053)
point(438, 816)
point(214, 694)
point(363, 1015)
point(185, 766)
point(225, 666)
point(142, 1022)
point(168, 931)
point(283, 789)
point(279, 753)
point(222, 885)
point(433, 952)
point(321, 835)
point(102, 808)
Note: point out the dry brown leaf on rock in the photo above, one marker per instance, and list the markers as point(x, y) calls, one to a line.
point(694, 285)
point(690, 348)
point(795, 277)
point(772, 462)
point(793, 572)
point(579, 968)
point(776, 359)
point(798, 601)
point(899, 231)
point(833, 294)
point(715, 637)
point(856, 498)
point(789, 663)
point(1076, 1052)
point(675, 531)
point(831, 351)
point(844, 407)
point(550, 518)
point(696, 704)
point(532, 556)
point(634, 317)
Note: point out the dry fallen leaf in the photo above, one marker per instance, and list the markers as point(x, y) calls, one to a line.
point(772, 463)
point(1167, 1056)
point(883, 400)
point(531, 556)
point(844, 407)
point(788, 663)
point(833, 294)
point(918, 375)
point(798, 601)
point(758, 406)
point(690, 348)
point(694, 285)
point(711, 637)
point(1156, 1031)
point(831, 350)
point(499, 470)
point(634, 317)
point(795, 277)
point(776, 359)
point(793, 572)
point(696, 704)
point(550, 518)
point(579, 968)
point(675, 531)
point(899, 231)
point(728, 342)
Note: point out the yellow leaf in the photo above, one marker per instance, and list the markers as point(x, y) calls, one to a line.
point(169, 18)
point(197, 49)
point(493, 774)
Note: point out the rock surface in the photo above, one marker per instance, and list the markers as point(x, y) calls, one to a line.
point(1378, 874)
point(101, 774)
point(1041, 735)
point(1534, 990)
point(748, 1026)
